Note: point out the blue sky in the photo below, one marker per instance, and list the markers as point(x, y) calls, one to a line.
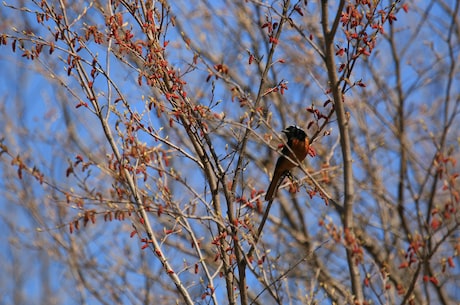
point(34, 104)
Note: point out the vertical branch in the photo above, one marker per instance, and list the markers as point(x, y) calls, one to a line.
point(400, 127)
point(342, 121)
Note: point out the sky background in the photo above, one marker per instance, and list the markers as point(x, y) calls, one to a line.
point(35, 107)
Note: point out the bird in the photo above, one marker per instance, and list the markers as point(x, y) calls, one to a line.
point(297, 148)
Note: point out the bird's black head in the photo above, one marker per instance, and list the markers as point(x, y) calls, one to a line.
point(294, 132)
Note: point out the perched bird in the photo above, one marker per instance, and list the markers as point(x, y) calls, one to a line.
point(297, 143)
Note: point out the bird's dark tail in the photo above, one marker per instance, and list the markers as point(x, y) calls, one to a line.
point(273, 187)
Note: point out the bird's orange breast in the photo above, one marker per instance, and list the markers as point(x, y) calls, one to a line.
point(300, 148)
